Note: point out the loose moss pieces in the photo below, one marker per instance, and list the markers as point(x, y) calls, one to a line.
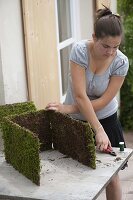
point(26, 134)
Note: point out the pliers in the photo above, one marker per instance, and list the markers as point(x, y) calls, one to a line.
point(110, 151)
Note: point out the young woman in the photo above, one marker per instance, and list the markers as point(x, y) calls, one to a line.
point(97, 72)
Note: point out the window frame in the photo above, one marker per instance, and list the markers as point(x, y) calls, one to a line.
point(75, 27)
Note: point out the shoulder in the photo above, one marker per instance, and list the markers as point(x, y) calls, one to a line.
point(81, 45)
point(79, 53)
point(120, 64)
point(121, 57)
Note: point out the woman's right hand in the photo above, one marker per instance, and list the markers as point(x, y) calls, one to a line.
point(102, 140)
point(55, 106)
point(63, 108)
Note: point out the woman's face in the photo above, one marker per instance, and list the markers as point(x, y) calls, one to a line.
point(107, 46)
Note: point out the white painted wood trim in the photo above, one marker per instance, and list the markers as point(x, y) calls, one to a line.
point(75, 20)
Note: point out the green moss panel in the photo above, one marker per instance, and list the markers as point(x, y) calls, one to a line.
point(21, 149)
point(73, 138)
point(39, 124)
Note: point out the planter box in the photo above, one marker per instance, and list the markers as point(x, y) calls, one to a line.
point(27, 134)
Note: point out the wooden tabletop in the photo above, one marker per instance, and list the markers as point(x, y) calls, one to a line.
point(62, 178)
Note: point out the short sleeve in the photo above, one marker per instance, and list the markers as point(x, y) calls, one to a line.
point(79, 54)
point(120, 67)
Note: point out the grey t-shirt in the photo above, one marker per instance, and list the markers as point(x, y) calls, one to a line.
point(96, 84)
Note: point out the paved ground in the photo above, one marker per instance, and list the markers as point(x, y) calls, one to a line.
point(126, 175)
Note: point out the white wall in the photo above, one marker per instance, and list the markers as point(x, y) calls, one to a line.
point(86, 20)
point(2, 94)
point(12, 59)
point(83, 19)
point(86, 17)
point(114, 6)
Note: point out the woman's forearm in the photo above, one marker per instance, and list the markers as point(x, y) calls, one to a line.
point(85, 107)
point(96, 104)
point(70, 109)
point(63, 108)
point(73, 108)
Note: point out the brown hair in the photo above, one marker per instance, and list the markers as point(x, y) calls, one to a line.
point(107, 23)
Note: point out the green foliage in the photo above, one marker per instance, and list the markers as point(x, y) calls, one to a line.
point(125, 9)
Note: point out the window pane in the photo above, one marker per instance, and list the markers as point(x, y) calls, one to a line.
point(64, 19)
point(64, 55)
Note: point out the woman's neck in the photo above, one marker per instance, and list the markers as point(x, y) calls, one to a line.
point(94, 54)
point(98, 64)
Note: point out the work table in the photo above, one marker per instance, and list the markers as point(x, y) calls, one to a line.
point(62, 178)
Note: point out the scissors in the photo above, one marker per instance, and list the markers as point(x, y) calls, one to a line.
point(110, 151)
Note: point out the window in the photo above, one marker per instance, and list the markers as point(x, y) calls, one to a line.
point(64, 56)
point(65, 39)
point(64, 20)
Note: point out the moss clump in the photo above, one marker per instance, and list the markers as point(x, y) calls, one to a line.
point(16, 108)
point(73, 138)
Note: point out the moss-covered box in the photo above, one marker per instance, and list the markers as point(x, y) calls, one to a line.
point(26, 134)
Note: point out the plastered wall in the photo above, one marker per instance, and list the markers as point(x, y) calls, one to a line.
point(13, 83)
